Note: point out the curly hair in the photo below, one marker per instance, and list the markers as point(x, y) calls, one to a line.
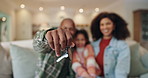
point(120, 32)
point(84, 32)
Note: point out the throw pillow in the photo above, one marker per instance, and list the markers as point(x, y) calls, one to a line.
point(136, 68)
point(23, 62)
point(5, 64)
point(144, 60)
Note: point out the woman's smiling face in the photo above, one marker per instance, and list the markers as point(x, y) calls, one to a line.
point(106, 28)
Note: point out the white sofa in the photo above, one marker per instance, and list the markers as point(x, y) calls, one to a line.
point(10, 69)
point(21, 43)
point(8, 63)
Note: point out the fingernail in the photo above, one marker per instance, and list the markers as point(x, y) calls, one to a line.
point(57, 54)
point(52, 48)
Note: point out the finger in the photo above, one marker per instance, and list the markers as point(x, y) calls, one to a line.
point(70, 53)
point(68, 37)
point(62, 38)
point(56, 42)
point(72, 44)
point(49, 39)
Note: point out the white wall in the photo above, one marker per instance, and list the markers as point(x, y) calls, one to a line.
point(54, 16)
point(117, 7)
point(8, 8)
point(20, 21)
point(23, 24)
point(82, 18)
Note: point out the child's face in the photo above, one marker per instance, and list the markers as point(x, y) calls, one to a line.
point(80, 41)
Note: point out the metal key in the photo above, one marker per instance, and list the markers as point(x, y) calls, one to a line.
point(63, 56)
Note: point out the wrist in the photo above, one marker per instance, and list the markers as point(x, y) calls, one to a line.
point(84, 74)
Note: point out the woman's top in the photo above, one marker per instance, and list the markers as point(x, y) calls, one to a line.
point(116, 58)
point(99, 59)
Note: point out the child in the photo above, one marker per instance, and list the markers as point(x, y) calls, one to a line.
point(84, 63)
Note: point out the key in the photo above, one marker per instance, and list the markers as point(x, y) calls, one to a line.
point(63, 56)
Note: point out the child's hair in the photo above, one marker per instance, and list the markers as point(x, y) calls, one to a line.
point(84, 32)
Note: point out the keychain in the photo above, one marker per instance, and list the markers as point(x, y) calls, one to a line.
point(63, 56)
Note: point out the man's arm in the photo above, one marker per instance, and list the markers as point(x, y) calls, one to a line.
point(40, 43)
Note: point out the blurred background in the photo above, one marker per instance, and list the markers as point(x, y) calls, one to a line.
point(20, 19)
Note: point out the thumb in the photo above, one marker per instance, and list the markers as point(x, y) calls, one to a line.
point(72, 44)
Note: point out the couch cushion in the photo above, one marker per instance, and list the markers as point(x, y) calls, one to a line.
point(24, 62)
point(5, 64)
point(144, 75)
point(142, 50)
point(144, 60)
point(22, 43)
point(136, 68)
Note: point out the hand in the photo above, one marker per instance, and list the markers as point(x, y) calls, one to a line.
point(85, 75)
point(58, 39)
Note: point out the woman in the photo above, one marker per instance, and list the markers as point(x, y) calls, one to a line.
point(109, 31)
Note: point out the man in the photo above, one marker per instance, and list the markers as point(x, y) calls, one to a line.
point(51, 44)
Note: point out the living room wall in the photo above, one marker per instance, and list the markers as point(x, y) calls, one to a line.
point(4, 27)
point(54, 16)
point(7, 8)
point(23, 24)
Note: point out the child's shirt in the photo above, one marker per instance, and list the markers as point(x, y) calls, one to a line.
point(84, 61)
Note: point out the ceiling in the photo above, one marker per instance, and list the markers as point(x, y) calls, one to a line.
point(85, 4)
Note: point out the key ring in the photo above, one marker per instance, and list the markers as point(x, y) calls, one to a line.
point(64, 55)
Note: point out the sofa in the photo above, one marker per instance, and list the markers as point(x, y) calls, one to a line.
point(18, 60)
